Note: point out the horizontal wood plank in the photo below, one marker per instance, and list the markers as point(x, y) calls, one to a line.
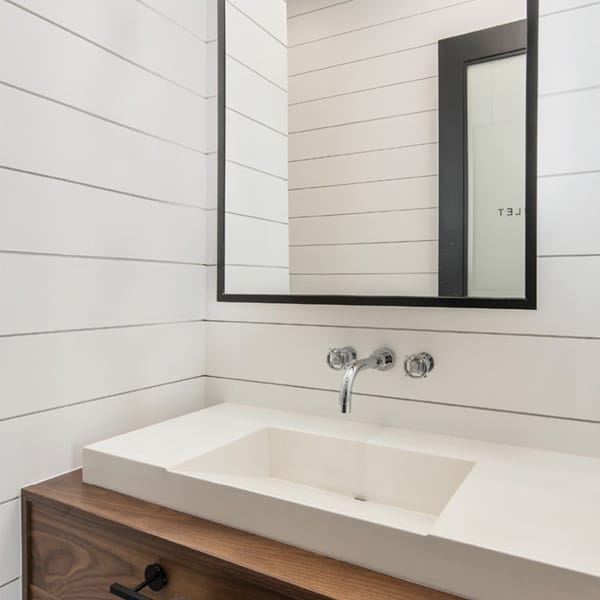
point(351, 16)
point(38, 214)
point(256, 146)
point(191, 15)
point(416, 257)
point(401, 35)
point(403, 194)
point(268, 14)
point(49, 293)
point(45, 371)
point(255, 97)
point(366, 284)
point(370, 228)
point(369, 136)
point(256, 280)
point(519, 374)
point(255, 48)
point(85, 77)
point(397, 99)
point(500, 427)
point(55, 140)
point(569, 61)
point(159, 44)
point(254, 242)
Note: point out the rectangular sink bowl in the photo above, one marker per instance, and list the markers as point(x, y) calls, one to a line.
point(347, 476)
point(475, 519)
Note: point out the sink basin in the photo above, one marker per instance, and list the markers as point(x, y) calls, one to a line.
point(314, 468)
point(476, 519)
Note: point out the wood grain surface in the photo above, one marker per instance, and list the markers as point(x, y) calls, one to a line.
point(80, 538)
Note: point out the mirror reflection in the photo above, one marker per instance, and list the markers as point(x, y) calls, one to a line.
point(375, 148)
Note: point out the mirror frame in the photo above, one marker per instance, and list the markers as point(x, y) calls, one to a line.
point(528, 302)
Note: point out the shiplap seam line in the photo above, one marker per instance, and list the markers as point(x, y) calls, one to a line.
point(568, 174)
point(105, 49)
point(100, 328)
point(101, 118)
point(99, 398)
point(579, 90)
point(569, 9)
point(257, 121)
point(366, 212)
point(314, 10)
point(369, 89)
point(574, 255)
point(372, 120)
point(258, 73)
point(2, 585)
point(261, 27)
point(239, 164)
point(6, 502)
point(365, 58)
point(229, 212)
point(103, 258)
point(411, 330)
point(387, 22)
point(349, 274)
point(359, 152)
point(171, 20)
point(418, 47)
point(413, 400)
point(101, 188)
point(378, 243)
point(331, 185)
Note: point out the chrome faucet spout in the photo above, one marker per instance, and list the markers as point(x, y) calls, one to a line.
point(345, 358)
point(348, 381)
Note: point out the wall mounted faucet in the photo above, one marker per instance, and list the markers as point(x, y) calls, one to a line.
point(419, 365)
point(345, 359)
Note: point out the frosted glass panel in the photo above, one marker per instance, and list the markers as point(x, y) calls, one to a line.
point(496, 121)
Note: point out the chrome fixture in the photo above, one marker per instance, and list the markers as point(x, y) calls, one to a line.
point(345, 359)
point(418, 365)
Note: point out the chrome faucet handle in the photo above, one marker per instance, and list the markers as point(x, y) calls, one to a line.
point(384, 359)
point(418, 365)
point(340, 358)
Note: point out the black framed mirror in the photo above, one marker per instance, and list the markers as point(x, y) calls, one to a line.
point(378, 153)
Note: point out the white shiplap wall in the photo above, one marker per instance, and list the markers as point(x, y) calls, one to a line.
point(363, 128)
point(103, 211)
point(256, 224)
point(103, 203)
point(523, 377)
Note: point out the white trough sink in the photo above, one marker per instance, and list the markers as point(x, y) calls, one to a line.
point(479, 520)
point(320, 470)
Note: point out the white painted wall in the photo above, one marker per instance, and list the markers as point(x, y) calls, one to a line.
point(523, 377)
point(364, 140)
point(256, 222)
point(103, 210)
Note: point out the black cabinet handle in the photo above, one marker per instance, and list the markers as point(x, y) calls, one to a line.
point(155, 579)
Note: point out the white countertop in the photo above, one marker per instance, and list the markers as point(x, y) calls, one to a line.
point(536, 505)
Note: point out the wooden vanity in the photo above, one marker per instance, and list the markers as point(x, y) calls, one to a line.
point(78, 539)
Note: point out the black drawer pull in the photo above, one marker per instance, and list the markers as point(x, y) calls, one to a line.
point(156, 579)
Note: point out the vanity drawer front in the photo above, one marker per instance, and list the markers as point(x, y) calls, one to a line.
point(73, 557)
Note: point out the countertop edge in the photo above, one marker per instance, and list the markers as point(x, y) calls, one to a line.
point(230, 548)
